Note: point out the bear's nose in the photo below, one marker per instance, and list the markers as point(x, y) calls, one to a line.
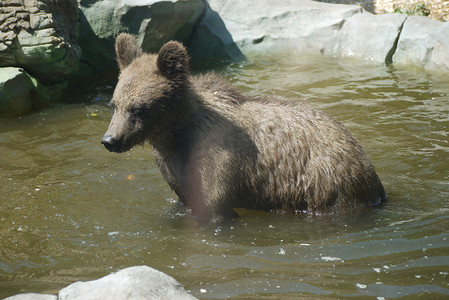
point(109, 142)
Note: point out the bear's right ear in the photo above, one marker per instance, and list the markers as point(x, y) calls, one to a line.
point(126, 49)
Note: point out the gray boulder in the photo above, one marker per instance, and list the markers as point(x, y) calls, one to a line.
point(423, 43)
point(210, 41)
point(284, 25)
point(15, 91)
point(19, 91)
point(152, 22)
point(140, 282)
point(305, 26)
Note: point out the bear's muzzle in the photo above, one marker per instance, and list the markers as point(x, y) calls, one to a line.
point(111, 144)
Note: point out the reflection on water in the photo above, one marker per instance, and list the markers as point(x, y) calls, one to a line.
point(72, 211)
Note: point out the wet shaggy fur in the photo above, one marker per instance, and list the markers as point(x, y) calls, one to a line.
point(218, 149)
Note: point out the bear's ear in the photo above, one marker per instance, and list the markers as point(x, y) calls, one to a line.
point(173, 61)
point(126, 49)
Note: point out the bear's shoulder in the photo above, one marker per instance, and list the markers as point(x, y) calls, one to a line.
point(214, 87)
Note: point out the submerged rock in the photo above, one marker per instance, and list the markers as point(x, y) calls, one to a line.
point(140, 282)
point(32, 296)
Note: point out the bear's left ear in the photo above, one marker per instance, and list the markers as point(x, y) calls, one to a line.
point(126, 49)
point(173, 61)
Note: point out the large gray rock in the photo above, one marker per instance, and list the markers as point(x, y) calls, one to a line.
point(211, 42)
point(40, 36)
point(140, 282)
point(423, 43)
point(305, 26)
point(283, 25)
point(152, 22)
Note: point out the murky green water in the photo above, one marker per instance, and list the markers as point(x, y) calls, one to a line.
point(70, 210)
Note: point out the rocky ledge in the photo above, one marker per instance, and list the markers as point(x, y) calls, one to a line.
point(139, 282)
point(57, 40)
point(334, 29)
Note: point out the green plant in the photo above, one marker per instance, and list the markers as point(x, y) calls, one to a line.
point(420, 9)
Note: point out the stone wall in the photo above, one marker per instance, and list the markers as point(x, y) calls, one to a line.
point(40, 37)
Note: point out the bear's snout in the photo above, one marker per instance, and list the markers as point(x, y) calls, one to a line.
point(114, 144)
point(110, 143)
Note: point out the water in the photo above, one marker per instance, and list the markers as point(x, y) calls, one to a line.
point(70, 210)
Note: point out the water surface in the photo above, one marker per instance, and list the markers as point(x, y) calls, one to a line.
point(70, 210)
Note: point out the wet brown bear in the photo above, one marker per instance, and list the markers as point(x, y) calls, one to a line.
point(218, 149)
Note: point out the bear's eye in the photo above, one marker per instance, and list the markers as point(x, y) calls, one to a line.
point(138, 111)
point(112, 106)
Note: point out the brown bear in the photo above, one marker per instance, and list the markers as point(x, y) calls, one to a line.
point(220, 150)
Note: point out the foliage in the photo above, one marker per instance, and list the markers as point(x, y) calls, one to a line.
point(419, 9)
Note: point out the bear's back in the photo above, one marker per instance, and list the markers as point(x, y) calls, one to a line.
point(309, 161)
point(291, 156)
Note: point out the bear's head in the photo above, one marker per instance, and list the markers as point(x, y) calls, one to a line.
point(149, 93)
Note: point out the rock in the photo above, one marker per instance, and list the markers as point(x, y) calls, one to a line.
point(306, 26)
point(423, 43)
point(370, 37)
point(32, 296)
point(15, 91)
point(140, 282)
point(211, 42)
point(19, 91)
point(40, 37)
point(152, 22)
point(285, 25)
point(47, 93)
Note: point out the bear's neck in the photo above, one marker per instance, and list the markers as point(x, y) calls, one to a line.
point(176, 126)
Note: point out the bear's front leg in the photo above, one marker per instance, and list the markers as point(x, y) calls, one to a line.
point(205, 185)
